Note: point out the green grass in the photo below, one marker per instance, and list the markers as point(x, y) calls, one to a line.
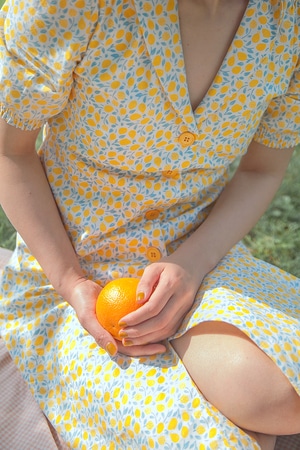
point(7, 232)
point(276, 237)
point(1, 3)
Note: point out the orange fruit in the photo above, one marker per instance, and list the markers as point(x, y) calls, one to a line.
point(117, 298)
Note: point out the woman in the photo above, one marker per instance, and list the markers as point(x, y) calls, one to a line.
point(146, 105)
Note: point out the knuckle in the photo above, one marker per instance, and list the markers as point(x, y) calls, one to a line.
point(163, 324)
point(147, 269)
point(171, 328)
point(134, 334)
point(101, 339)
point(152, 309)
point(167, 283)
point(100, 336)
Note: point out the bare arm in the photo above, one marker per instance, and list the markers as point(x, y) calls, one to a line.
point(26, 197)
point(179, 276)
point(240, 206)
point(27, 200)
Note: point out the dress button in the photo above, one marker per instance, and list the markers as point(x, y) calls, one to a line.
point(171, 174)
point(153, 254)
point(152, 215)
point(168, 173)
point(186, 138)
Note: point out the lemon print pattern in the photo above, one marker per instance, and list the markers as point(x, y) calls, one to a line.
point(134, 171)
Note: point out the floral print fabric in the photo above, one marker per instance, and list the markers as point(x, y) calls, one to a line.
point(134, 171)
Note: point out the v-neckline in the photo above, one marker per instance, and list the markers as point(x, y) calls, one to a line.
point(163, 41)
point(203, 101)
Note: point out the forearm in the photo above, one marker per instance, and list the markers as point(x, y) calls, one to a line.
point(28, 202)
point(239, 207)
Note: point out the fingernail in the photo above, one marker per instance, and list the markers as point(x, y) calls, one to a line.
point(111, 349)
point(127, 342)
point(122, 324)
point(140, 296)
point(123, 334)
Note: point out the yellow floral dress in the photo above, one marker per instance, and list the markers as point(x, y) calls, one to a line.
point(134, 171)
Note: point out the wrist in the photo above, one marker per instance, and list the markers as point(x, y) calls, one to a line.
point(65, 278)
point(195, 261)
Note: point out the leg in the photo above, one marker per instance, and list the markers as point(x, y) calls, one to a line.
point(239, 379)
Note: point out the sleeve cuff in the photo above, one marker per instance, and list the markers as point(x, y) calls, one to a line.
point(13, 119)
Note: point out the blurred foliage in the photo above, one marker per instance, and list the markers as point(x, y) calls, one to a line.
point(276, 237)
point(7, 232)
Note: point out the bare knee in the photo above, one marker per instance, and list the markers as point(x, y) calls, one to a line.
point(239, 379)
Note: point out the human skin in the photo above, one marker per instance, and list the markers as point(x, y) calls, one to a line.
point(27, 199)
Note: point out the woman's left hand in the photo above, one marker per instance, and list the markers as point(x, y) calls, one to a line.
point(166, 291)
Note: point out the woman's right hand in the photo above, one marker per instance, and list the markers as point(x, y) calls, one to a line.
point(83, 297)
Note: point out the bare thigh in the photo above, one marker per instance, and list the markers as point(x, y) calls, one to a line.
point(239, 379)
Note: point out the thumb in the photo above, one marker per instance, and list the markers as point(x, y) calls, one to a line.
point(106, 341)
point(101, 336)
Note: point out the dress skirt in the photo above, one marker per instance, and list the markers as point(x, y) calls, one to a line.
point(98, 402)
point(134, 170)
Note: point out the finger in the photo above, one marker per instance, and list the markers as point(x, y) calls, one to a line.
point(163, 325)
point(142, 350)
point(148, 282)
point(155, 329)
point(152, 337)
point(101, 336)
point(158, 300)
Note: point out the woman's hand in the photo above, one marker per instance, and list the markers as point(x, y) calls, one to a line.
point(167, 291)
point(83, 297)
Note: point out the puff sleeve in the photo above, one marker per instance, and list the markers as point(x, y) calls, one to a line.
point(41, 42)
point(280, 124)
